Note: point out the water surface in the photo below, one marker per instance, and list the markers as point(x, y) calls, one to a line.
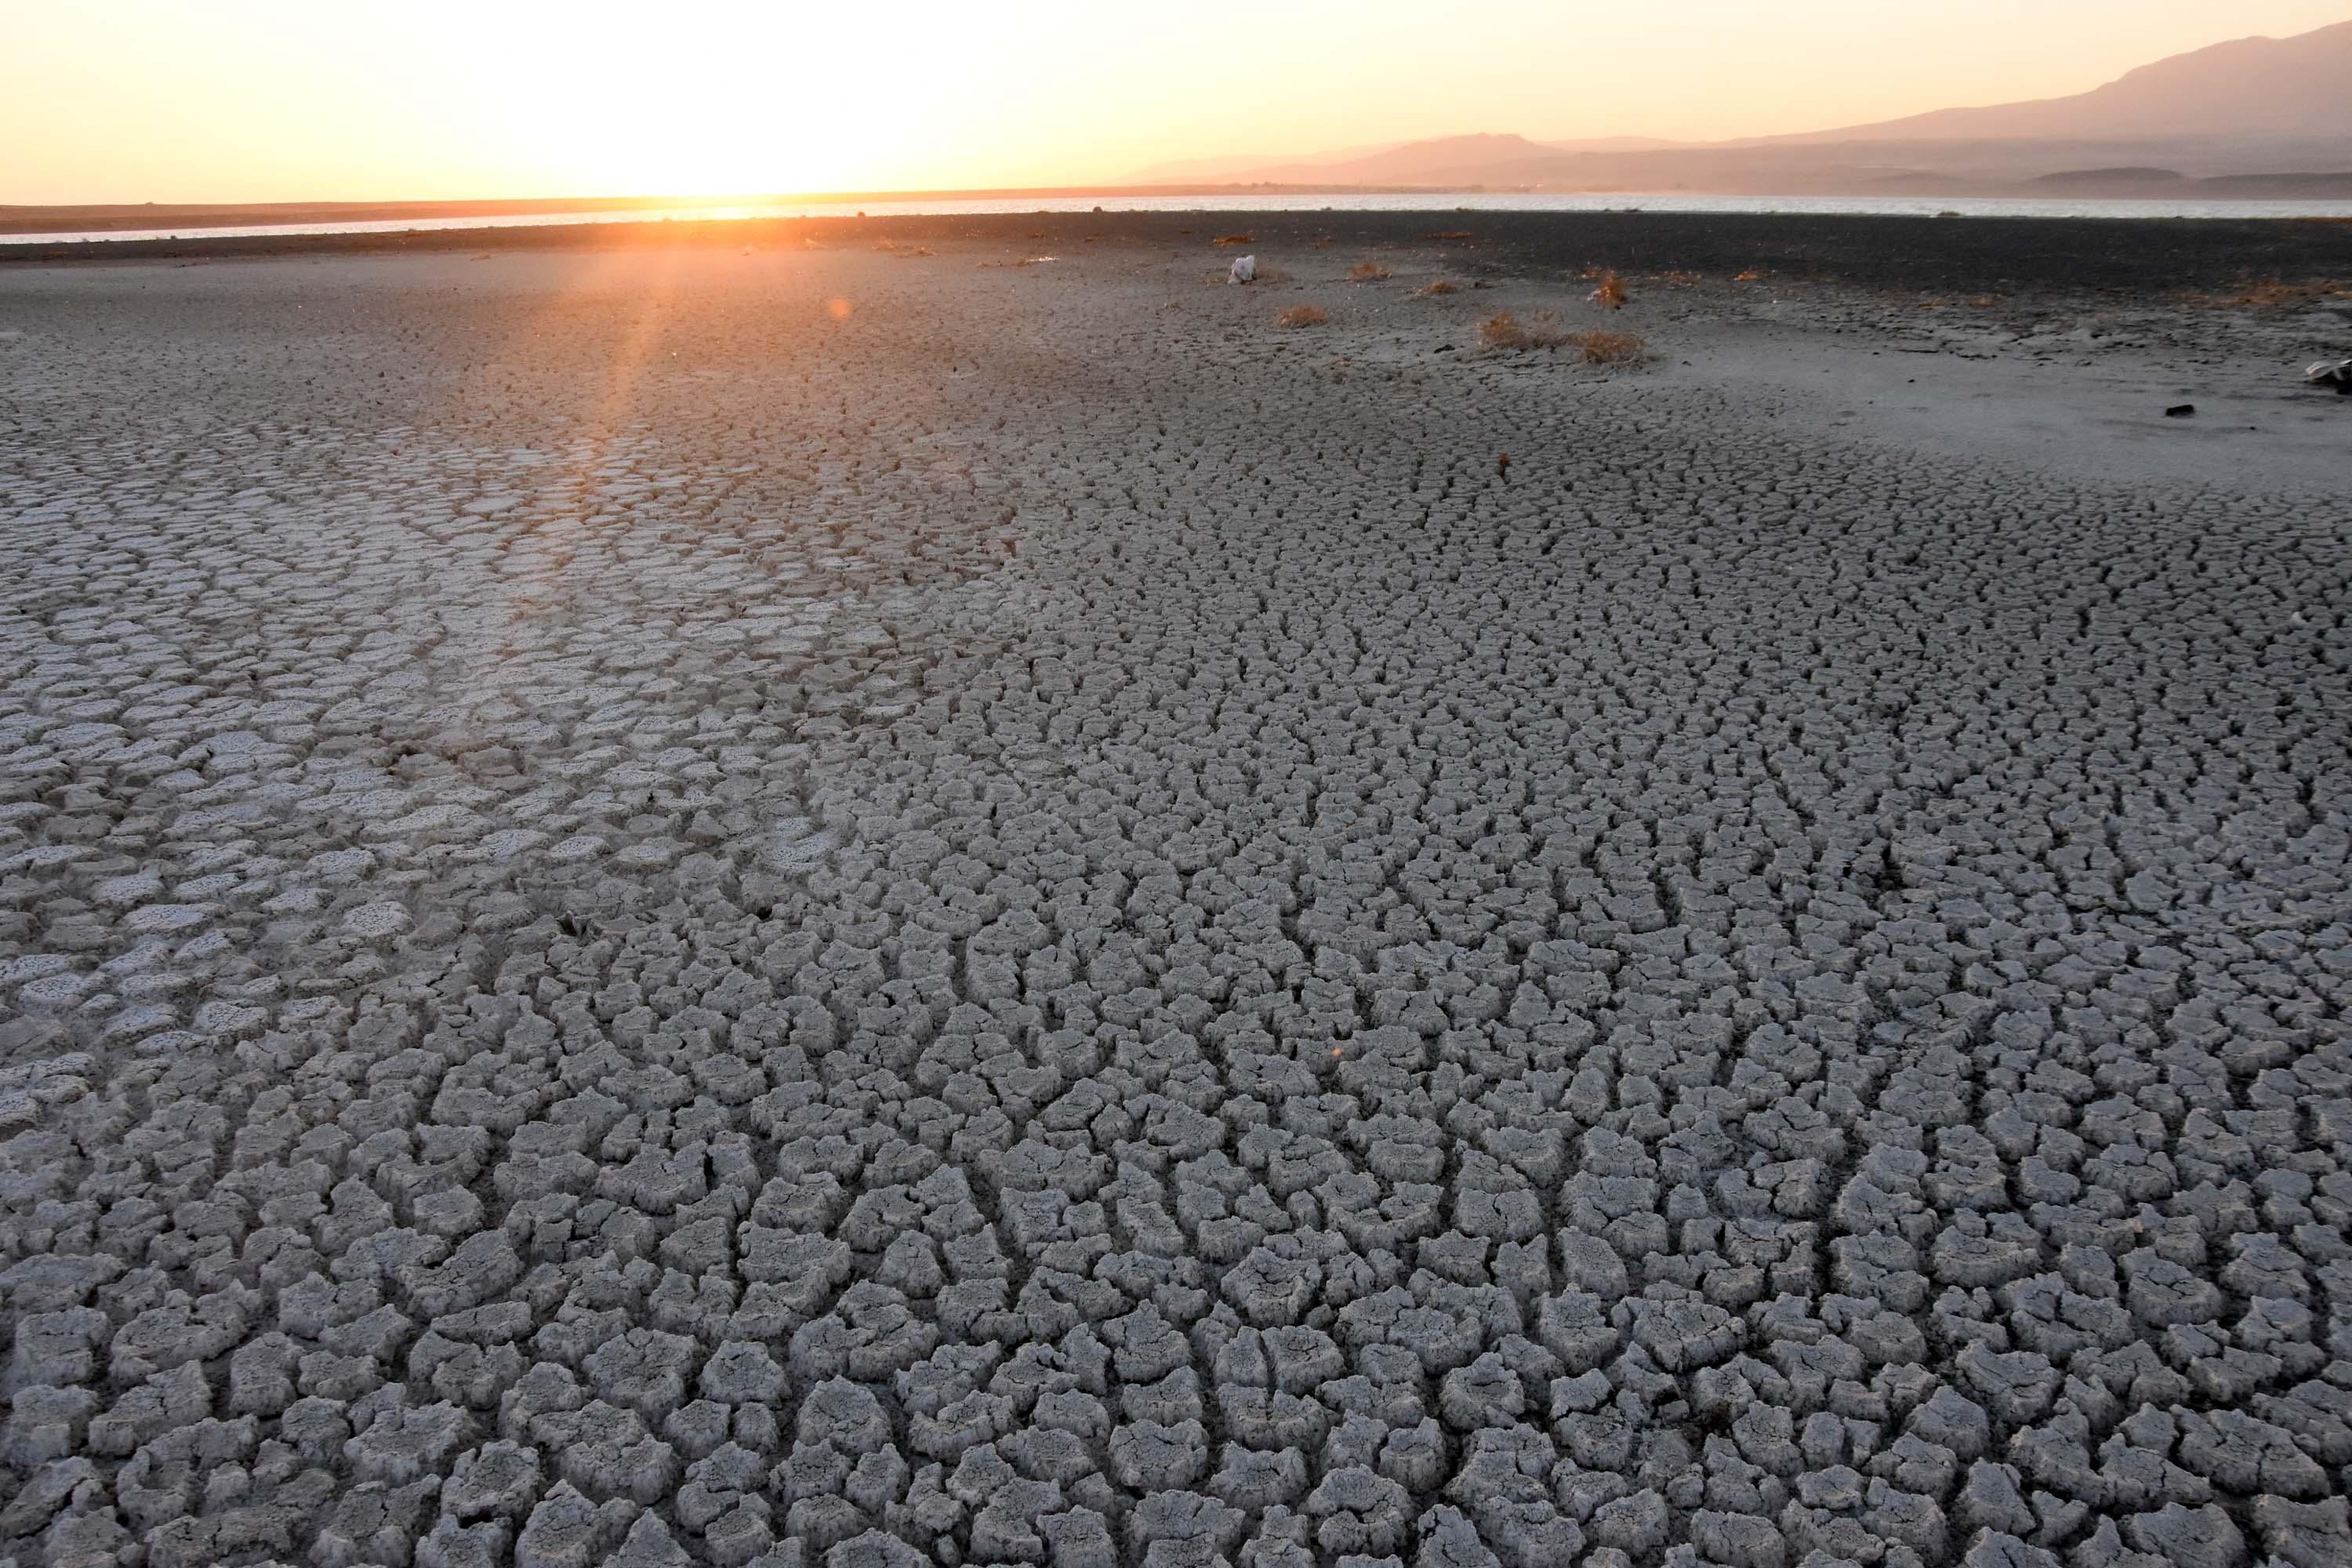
point(1424, 200)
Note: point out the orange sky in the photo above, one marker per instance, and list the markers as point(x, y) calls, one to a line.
point(280, 100)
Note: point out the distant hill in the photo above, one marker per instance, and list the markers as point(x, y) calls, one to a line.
point(1443, 159)
point(1188, 171)
point(1447, 159)
point(2269, 114)
point(2252, 87)
point(2069, 179)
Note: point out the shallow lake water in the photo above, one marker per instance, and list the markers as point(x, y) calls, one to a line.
point(1414, 201)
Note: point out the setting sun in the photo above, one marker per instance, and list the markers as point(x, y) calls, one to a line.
point(751, 98)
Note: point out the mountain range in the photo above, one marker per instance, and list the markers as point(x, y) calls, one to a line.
point(2251, 117)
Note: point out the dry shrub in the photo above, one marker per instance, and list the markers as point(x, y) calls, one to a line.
point(1451, 234)
point(1235, 239)
point(1502, 331)
point(1303, 316)
point(2273, 291)
point(2268, 293)
point(1610, 290)
point(1750, 276)
point(1433, 288)
point(1366, 272)
point(1322, 242)
point(1682, 279)
point(1608, 348)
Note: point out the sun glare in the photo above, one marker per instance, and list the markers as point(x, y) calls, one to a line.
point(490, 98)
point(756, 99)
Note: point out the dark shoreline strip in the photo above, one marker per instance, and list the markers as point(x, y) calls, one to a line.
point(1983, 254)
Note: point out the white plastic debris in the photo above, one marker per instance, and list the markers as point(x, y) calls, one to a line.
point(2337, 373)
point(1245, 269)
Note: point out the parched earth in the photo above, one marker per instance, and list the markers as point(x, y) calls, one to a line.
point(827, 909)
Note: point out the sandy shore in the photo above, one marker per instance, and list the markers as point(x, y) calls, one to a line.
point(753, 903)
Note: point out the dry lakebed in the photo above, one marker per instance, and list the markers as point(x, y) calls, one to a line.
point(914, 893)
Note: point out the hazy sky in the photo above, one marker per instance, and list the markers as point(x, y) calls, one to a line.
point(293, 100)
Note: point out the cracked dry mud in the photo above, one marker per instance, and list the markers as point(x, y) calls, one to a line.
point(644, 924)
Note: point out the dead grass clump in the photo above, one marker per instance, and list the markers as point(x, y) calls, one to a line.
point(1608, 288)
point(1750, 276)
point(1366, 272)
point(2272, 291)
point(1451, 234)
point(1235, 239)
point(1266, 274)
point(1303, 316)
point(911, 252)
point(1682, 279)
point(1502, 331)
point(2269, 294)
point(1608, 348)
point(1433, 288)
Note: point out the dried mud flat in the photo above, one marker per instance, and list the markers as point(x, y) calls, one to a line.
point(830, 908)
